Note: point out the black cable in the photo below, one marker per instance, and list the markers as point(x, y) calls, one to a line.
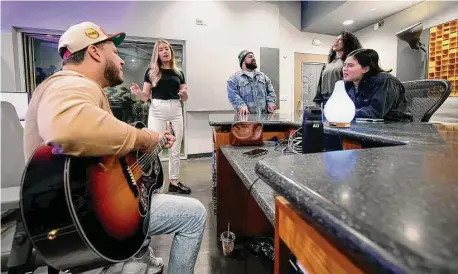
point(280, 144)
point(249, 189)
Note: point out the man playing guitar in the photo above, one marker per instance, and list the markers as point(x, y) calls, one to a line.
point(71, 111)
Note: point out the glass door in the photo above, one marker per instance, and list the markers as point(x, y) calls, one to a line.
point(310, 78)
point(307, 69)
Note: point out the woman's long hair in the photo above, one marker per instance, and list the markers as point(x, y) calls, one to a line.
point(368, 58)
point(349, 42)
point(156, 63)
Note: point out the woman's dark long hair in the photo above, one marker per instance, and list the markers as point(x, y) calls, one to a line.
point(349, 43)
point(368, 58)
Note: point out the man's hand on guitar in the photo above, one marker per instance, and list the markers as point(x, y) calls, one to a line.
point(170, 138)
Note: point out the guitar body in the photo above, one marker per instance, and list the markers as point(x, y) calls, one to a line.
point(86, 212)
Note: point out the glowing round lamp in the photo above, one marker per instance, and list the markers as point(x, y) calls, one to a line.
point(339, 109)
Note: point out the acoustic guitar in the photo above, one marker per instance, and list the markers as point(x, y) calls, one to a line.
point(86, 212)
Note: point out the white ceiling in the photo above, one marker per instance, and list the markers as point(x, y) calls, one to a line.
point(360, 12)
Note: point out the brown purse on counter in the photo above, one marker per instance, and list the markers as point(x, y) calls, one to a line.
point(246, 134)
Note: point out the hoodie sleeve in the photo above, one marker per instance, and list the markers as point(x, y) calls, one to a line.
point(386, 93)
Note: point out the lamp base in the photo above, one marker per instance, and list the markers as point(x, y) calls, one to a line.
point(338, 125)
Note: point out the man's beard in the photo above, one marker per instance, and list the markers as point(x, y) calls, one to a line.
point(111, 74)
point(251, 66)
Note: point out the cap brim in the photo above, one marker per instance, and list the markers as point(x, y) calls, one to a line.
point(117, 38)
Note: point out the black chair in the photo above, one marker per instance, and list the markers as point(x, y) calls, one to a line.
point(425, 97)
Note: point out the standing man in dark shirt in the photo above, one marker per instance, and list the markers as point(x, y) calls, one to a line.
point(165, 84)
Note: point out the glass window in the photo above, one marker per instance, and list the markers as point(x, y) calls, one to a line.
point(42, 60)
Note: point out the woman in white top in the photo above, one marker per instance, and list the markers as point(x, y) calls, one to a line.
point(165, 84)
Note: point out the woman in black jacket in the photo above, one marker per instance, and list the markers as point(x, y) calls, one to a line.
point(375, 92)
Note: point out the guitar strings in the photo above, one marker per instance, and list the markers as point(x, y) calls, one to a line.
point(148, 157)
point(144, 159)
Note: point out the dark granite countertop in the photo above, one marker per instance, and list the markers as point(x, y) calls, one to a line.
point(388, 132)
point(396, 206)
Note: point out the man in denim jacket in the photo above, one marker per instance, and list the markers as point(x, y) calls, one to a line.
point(248, 90)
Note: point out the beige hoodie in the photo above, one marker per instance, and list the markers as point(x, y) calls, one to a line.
point(73, 111)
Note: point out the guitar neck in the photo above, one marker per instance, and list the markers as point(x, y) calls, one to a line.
point(160, 146)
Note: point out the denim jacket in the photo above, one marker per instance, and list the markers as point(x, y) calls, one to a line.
point(255, 93)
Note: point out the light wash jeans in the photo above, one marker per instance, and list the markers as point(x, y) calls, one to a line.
point(160, 112)
point(186, 218)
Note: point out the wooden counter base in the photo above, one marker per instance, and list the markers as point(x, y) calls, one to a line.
point(237, 206)
point(313, 251)
point(351, 144)
point(234, 203)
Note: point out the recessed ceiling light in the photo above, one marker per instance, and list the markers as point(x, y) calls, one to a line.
point(372, 9)
point(348, 22)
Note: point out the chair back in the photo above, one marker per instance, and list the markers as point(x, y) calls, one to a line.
point(424, 97)
point(12, 154)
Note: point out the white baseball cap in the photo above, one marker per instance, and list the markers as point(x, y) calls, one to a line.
point(82, 35)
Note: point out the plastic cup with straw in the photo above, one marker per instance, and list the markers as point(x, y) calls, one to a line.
point(227, 239)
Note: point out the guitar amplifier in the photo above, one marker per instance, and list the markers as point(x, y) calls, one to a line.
point(312, 130)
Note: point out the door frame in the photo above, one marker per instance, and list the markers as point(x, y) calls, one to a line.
point(300, 58)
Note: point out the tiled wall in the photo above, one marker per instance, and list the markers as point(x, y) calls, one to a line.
point(443, 54)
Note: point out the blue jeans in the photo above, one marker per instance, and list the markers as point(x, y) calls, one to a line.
point(186, 218)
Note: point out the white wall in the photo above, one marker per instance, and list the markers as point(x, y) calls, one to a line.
point(293, 40)
point(384, 40)
point(442, 14)
point(229, 25)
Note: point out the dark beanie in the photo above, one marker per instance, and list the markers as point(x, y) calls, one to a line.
point(242, 56)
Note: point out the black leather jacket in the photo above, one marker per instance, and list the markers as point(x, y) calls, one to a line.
point(380, 96)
